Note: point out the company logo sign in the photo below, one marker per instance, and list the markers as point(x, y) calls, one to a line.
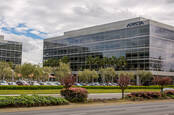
point(139, 23)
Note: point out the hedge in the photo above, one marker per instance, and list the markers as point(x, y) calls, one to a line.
point(10, 87)
point(31, 101)
point(13, 87)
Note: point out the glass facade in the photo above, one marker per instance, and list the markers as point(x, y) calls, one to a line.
point(161, 49)
point(146, 46)
point(133, 43)
point(11, 51)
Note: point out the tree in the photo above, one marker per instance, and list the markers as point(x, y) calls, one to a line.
point(63, 70)
point(87, 75)
point(144, 76)
point(90, 61)
point(51, 62)
point(65, 59)
point(113, 62)
point(123, 82)
point(105, 61)
point(121, 63)
point(18, 71)
point(107, 74)
point(98, 62)
point(68, 81)
point(5, 70)
point(27, 70)
point(162, 82)
point(7, 73)
point(37, 73)
point(46, 72)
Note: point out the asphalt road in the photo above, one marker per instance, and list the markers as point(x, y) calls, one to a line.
point(126, 109)
point(90, 96)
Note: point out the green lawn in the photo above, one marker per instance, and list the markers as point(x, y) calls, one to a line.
point(58, 91)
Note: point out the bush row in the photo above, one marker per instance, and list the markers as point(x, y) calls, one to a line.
point(87, 87)
point(117, 87)
point(12, 87)
point(150, 95)
point(30, 101)
point(144, 95)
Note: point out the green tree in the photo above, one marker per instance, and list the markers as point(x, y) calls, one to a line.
point(121, 63)
point(51, 62)
point(27, 70)
point(87, 75)
point(90, 61)
point(107, 74)
point(37, 73)
point(144, 76)
point(18, 71)
point(113, 61)
point(46, 72)
point(65, 59)
point(5, 70)
point(63, 70)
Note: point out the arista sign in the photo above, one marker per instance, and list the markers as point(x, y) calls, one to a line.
point(139, 23)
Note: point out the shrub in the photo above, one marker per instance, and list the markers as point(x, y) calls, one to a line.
point(30, 101)
point(169, 92)
point(75, 94)
point(144, 95)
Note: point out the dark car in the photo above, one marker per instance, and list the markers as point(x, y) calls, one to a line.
point(22, 83)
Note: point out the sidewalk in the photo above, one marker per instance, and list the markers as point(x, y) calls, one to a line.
point(90, 96)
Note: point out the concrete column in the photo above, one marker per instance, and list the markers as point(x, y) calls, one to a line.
point(137, 80)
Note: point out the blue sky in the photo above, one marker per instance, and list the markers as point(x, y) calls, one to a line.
point(24, 30)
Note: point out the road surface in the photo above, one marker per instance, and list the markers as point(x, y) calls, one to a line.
point(157, 108)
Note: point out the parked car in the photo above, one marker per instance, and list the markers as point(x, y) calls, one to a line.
point(3, 82)
point(22, 82)
point(114, 84)
point(168, 89)
point(12, 83)
point(42, 83)
point(50, 83)
point(57, 83)
point(77, 84)
point(35, 83)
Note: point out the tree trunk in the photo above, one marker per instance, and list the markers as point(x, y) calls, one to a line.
point(112, 79)
point(122, 90)
point(161, 89)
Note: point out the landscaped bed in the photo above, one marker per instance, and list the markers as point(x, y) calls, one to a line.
point(31, 101)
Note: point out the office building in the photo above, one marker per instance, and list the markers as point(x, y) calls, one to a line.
point(146, 44)
point(10, 51)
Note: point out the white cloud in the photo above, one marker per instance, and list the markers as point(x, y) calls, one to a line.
point(57, 16)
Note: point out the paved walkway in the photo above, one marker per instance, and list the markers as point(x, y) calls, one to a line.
point(90, 96)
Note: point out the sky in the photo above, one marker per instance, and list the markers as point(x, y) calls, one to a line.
point(31, 21)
